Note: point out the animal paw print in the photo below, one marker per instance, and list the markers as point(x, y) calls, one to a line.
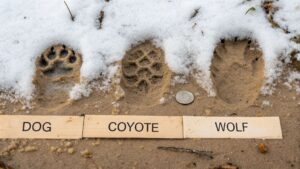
point(58, 60)
point(237, 71)
point(57, 71)
point(143, 67)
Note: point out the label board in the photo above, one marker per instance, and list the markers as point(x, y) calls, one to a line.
point(128, 126)
point(49, 127)
point(232, 127)
point(122, 126)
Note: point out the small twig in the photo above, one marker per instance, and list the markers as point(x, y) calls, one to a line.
point(72, 17)
point(207, 154)
point(101, 17)
point(250, 9)
point(195, 13)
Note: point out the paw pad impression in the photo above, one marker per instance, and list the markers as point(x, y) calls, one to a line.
point(145, 76)
point(58, 60)
point(238, 71)
point(57, 71)
point(143, 67)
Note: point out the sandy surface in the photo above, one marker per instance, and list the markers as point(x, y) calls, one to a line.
point(237, 73)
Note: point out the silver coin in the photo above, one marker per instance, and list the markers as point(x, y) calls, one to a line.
point(184, 97)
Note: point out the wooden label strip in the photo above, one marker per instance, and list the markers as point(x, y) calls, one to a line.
point(50, 127)
point(121, 126)
point(232, 127)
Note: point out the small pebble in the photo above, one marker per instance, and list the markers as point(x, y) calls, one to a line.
point(207, 112)
point(96, 143)
point(119, 93)
point(71, 150)
point(86, 154)
point(115, 111)
point(13, 145)
point(59, 150)
point(262, 148)
point(162, 100)
point(227, 166)
point(184, 97)
point(67, 144)
point(53, 149)
point(30, 149)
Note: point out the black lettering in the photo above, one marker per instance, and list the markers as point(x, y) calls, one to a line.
point(124, 128)
point(244, 125)
point(109, 126)
point(147, 126)
point(48, 127)
point(155, 126)
point(130, 126)
point(38, 124)
point(26, 128)
point(220, 126)
point(232, 124)
point(237, 129)
point(141, 129)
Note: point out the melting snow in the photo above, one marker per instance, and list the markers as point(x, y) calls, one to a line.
point(188, 31)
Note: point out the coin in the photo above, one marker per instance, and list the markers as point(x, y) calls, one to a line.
point(184, 97)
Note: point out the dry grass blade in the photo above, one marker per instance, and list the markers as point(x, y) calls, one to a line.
point(250, 9)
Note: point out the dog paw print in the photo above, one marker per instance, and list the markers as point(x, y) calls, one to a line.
point(143, 67)
point(57, 71)
point(58, 60)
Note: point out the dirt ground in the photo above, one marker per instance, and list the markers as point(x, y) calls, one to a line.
point(237, 75)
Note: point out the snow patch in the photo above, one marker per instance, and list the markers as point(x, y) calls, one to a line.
point(188, 31)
